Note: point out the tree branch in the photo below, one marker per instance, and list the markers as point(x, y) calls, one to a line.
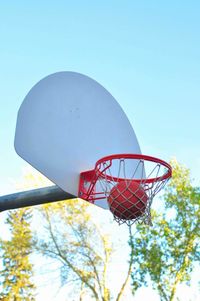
point(129, 267)
point(71, 266)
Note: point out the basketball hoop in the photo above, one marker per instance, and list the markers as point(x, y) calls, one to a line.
point(129, 182)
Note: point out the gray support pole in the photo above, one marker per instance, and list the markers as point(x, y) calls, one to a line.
point(33, 197)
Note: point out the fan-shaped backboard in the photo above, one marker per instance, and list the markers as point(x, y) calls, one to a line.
point(66, 123)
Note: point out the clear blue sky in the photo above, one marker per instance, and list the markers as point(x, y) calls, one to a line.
point(146, 53)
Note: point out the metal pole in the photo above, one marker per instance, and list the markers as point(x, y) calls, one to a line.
point(33, 197)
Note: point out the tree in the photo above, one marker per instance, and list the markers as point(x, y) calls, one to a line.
point(73, 238)
point(83, 250)
point(17, 270)
point(167, 251)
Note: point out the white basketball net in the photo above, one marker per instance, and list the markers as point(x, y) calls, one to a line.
point(150, 178)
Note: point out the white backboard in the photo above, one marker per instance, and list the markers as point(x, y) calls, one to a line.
point(66, 123)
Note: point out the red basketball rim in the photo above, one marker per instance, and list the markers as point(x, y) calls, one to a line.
point(100, 173)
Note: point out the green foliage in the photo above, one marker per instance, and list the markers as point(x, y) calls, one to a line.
point(166, 252)
point(16, 270)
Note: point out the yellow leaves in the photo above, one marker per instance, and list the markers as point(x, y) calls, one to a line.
point(180, 176)
point(31, 178)
point(17, 269)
